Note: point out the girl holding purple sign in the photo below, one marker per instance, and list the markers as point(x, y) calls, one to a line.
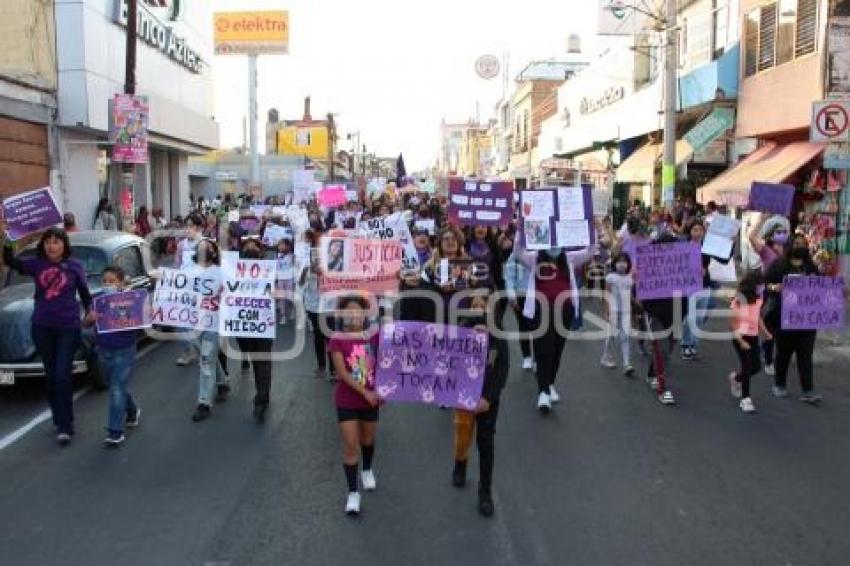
point(56, 318)
point(353, 353)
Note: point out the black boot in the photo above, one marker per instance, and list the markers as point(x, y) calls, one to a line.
point(459, 473)
point(260, 412)
point(485, 501)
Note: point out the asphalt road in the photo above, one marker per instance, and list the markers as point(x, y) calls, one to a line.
point(611, 477)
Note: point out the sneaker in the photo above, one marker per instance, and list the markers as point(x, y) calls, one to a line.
point(259, 412)
point(629, 371)
point(222, 391)
point(485, 502)
point(133, 420)
point(187, 358)
point(780, 392)
point(352, 503)
point(459, 473)
point(544, 403)
point(652, 382)
point(769, 369)
point(747, 405)
point(114, 440)
point(553, 395)
point(811, 398)
point(527, 363)
point(667, 398)
point(367, 478)
point(202, 413)
point(687, 353)
point(734, 386)
point(63, 439)
point(608, 363)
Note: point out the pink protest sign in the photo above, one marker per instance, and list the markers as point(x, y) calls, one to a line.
point(351, 264)
point(667, 270)
point(332, 196)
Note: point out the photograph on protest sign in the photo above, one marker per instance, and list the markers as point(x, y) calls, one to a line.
point(247, 307)
point(667, 270)
point(358, 263)
point(187, 298)
point(813, 302)
point(30, 212)
point(480, 203)
point(432, 364)
point(457, 272)
point(774, 198)
point(557, 218)
point(116, 312)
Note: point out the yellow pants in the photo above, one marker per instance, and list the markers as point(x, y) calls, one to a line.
point(464, 428)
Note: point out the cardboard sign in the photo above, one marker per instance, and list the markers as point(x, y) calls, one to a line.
point(274, 233)
point(117, 312)
point(479, 203)
point(247, 301)
point(392, 227)
point(775, 198)
point(333, 196)
point(30, 212)
point(432, 364)
point(813, 302)
point(187, 298)
point(667, 270)
point(601, 203)
point(350, 264)
point(561, 217)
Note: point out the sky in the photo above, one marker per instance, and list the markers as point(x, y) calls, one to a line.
point(393, 69)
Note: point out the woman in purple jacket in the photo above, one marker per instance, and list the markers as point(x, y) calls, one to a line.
point(56, 318)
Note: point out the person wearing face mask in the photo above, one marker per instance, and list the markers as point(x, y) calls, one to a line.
point(554, 282)
point(619, 284)
point(698, 309)
point(480, 249)
point(183, 259)
point(770, 248)
point(801, 343)
point(517, 270)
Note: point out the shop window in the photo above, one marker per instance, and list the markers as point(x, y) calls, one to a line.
point(751, 29)
point(767, 37)
point(807, 27)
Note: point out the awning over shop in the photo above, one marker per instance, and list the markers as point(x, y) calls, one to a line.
point(641, 165)
point(771, 163)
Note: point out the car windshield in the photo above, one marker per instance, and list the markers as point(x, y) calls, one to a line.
point(93, 260)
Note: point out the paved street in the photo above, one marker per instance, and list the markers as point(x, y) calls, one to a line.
point(611, 477)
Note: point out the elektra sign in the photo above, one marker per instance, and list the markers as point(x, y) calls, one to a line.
point(159, 35)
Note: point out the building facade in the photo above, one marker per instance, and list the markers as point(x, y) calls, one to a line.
point(173, 70)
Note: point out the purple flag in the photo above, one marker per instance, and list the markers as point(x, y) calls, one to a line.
point(434, 364)
point(30, 212)
point(478, 203)
point(774, 198)
point(812, 302)
point(117, 312)
point(666, 270)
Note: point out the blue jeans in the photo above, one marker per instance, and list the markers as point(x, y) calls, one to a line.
point(697, 317)
point(211, 374)
point(117, 367)
point(57, 347)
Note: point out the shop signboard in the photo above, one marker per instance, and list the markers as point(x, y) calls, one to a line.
point(711, 128)
point(251, 33)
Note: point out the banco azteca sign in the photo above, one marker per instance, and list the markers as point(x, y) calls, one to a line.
point(159, 35)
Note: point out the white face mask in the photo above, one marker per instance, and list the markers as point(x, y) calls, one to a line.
point(622, 267)
point(110, 289)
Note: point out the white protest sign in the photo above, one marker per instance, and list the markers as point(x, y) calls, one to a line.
point(247, 301)
point(187, 298)
point(571, 203)
point(601, 202)
point(393, 227)
point(718, 240)
point(572, 233)
point(275, 233)
point(722, 272)
point(426, 225)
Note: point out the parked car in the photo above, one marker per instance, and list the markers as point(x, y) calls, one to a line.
point(95, 250)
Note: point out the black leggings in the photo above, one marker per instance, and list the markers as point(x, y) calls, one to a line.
point(319, 341)
point(549, 346)
point(802, 343)
point(485, 423)
point(259, 351)
point(750, 362)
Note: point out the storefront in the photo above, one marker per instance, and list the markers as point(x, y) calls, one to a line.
point(173, 70)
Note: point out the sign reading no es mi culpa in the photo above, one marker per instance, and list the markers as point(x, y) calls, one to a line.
point(241, 33)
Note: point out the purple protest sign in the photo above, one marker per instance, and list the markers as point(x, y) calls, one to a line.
point(30, 212)
point(812, 302)
point(433, 364)
point(117, 312)
point(666, 270)
point(774, 198)
point(479, 203)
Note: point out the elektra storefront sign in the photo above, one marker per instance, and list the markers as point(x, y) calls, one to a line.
point(159, 35)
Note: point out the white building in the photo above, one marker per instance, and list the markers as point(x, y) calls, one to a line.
point(173, 70)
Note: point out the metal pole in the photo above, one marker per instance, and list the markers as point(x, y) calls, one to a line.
point(127, 178)
point(252, 118)
point(668, 164)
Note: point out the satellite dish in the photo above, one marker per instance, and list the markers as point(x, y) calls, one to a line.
point(487, 66)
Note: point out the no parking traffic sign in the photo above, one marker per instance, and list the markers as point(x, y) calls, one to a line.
point(830, 121)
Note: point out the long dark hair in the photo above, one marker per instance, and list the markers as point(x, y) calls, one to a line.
point(748, 286)
point(54, 232)
point(102, 205)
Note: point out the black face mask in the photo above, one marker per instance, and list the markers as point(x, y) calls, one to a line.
point(252, 253)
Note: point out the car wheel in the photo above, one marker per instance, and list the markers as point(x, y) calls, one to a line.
point(94, 376)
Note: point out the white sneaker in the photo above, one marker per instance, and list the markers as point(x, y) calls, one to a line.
point(553, 395)
point(367, 478)
point(667, 398)
point(527, 363)
point(544, 403)
point(769, 369)
point(608, 363)
point(747, 405)
point(734, 386)
point(352, 503)
point(629, 371)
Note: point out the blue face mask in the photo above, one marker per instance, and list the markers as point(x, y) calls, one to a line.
point(110, 289)
point(554, 252)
